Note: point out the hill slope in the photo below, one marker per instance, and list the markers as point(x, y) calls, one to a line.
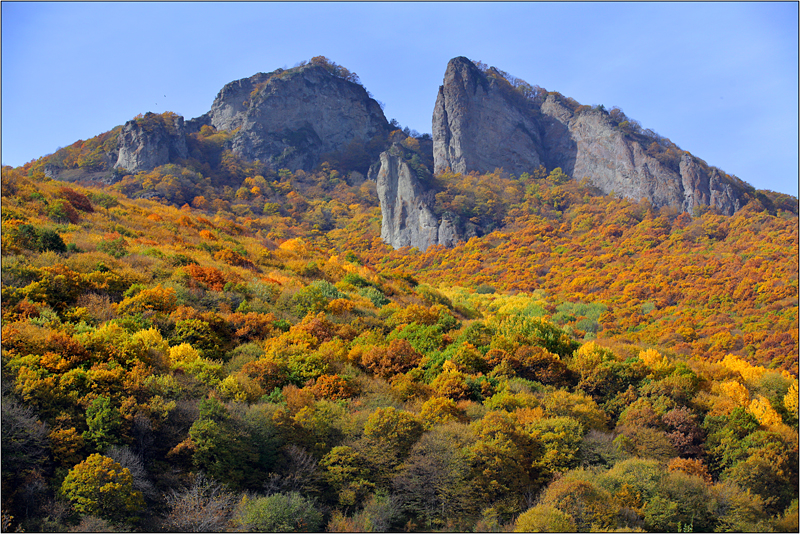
point(235, 347)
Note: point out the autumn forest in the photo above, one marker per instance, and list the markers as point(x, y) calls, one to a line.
point(215, 345)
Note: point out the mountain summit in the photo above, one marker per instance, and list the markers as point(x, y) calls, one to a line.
point(485, 118)
point(477, 127)
point(291, 118)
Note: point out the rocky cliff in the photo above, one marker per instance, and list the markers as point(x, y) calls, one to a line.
point(480, 124)
point(475, 126)
point(291, 118)
point(407, 200)
point(614, 162)
point(288, 118)
point(151, 141)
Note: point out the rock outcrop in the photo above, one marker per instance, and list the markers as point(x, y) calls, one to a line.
point(475, 126)
point(288, 118)
point(151, 141)
point(291, 118)
point(479, 125)
point(707, 187)
point(614, 163)
point(408, 219)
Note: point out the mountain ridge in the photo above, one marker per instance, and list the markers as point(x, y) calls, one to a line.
point(483, 119)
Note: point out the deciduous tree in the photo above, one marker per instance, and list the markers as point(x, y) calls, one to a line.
point(100, 486)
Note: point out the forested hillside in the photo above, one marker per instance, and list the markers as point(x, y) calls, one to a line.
point(212, 345)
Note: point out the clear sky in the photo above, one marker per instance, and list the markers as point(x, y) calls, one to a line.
point(719, 79)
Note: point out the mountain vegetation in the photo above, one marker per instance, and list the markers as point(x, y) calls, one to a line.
point(215, 345)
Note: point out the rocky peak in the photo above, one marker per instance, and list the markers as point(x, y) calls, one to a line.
point(150, 141)
point(291, 118)
point(231, 104)
point(589, 144)
point(479, 124)
point(476, 126)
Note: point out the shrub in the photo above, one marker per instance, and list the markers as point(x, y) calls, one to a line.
point(62, 211)
point(281, 512)
point(484, 289)
point(315, 297)
point(79, 201)
point(545, 518)
point(377, 298)
point(38, 239)
point(116, 248)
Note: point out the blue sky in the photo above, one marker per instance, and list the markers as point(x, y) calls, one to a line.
point(719, 79)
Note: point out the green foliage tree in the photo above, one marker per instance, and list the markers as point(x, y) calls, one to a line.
point(504, 459)
point(200, 335)
point(561, 438)
point(346, 471)
point(104, 422)
point(38, 239)
point(281, 512)
point(62, 211)
point(314, 297)
point(116, 248)
point(433, 484)
point(389, 435)
point(222, 448)
point(588, 504)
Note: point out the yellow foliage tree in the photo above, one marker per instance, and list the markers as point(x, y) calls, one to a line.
point(790, 399)
point(764, 412)
point(749, 372)
point(151, 348)
point(158, 298)
point(188, 359)
point(545, 518)
point(578, 406)
point(240, 388)
point(100, 486)
point(451, 383)
point(439, 410)
point(660, 365)
point(736, 392)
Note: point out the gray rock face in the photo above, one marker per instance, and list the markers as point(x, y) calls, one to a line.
point(407, 217)
point(291, 118)
point(613, 163)
point(477, 126)
point(704, 187)
point(151, 141)
point(609, 161)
